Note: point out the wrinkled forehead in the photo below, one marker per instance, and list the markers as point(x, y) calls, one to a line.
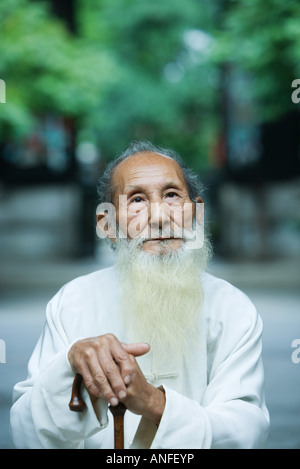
point(146, 167)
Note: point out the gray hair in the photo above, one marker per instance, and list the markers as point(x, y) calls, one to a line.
point(105, 187)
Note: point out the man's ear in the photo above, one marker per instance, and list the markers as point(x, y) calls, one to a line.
point(199, 200)
point(106, 223)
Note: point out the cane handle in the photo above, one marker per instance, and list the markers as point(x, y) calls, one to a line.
point(118, 412)
point(76, 403)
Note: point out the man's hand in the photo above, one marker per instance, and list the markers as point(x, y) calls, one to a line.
point(106, 365)
point(142, 398)
point(110, 370)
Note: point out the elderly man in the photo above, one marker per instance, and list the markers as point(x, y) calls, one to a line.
point(179, 347)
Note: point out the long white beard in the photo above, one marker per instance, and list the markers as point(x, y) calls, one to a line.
point(161, 294)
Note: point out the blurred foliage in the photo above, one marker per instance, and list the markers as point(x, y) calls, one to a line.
point(152, 70)
point(44, 67)
point(165, 86)
point(263, 39)
point(171, 59)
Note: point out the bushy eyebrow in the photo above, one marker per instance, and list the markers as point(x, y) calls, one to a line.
point(130, 188)
point(171, 185)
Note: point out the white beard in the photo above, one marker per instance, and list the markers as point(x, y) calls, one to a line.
point(161, 294)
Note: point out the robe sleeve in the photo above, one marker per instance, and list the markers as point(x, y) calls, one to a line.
point(40, 415)
point(232, 413)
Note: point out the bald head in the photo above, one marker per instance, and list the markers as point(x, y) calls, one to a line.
point(105, 187)
point(148, 172)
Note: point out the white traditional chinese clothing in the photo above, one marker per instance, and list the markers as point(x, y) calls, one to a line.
point(214, 395)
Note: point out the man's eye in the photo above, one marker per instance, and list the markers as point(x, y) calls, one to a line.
point(137, 199)
point(171, 194)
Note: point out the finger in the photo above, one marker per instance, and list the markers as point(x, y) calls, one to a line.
point(85, 372)
point(134, 350)
point(137, 349)
point(125, 366)
point(112, 366)
point(97, 383)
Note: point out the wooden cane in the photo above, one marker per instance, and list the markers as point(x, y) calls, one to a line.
point(77, 404)
point(118, 412)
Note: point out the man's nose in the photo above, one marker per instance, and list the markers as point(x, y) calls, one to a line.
point(159, 216)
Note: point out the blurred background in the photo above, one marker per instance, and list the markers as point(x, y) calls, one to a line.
point(213, 80)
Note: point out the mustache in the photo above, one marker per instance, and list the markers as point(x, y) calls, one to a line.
point(192, 238)
point(167, 234)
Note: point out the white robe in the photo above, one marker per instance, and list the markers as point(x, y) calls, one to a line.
point(214, 396)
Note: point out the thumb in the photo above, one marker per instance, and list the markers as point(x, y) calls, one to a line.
point(137, 349)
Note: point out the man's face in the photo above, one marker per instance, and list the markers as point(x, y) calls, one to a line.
point(152, 205)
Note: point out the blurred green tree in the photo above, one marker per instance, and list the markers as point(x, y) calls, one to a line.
point(151, 70)
point(165, 86)
point(262, 38)
point(45, 68)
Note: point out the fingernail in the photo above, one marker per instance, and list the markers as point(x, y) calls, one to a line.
point(122, 394)
point(127, 379)
point(114, 401)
